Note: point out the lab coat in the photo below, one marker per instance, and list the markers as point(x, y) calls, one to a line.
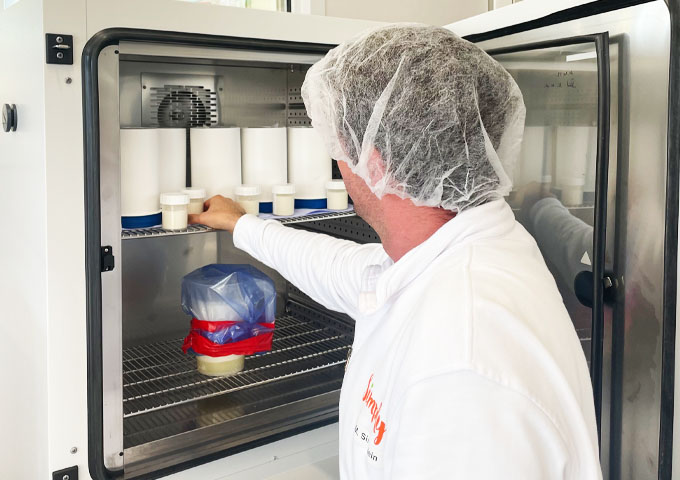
point(465, 363)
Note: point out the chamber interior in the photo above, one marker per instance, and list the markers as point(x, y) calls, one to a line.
point(171, 413)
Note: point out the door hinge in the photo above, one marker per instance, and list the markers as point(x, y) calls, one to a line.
point(107, 259)
point(59, 48)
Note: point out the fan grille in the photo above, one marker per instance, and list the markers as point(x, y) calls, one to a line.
point(183, 106)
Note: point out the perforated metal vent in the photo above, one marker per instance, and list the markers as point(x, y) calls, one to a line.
point(183, 106)
point(297, 114)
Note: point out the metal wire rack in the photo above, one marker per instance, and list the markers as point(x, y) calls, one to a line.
point(158, 231)
point(151, 232)
point(318, 216)
point(160, 375)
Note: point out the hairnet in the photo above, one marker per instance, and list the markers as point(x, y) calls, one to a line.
point(446, 119)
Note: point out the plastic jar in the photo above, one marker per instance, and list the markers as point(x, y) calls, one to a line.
point(572, 151)
point(196, 199)
point(337, 195)
point(284, 199)
point(264, 161)
point(220, 366)
point(139, 177)
point(216, 159)
point(174, 207)
point(309, 167)
point(572, 192)
point(248, 196)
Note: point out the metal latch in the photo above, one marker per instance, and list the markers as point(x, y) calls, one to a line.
point(107, 259)
point(59, 48)
point(70, 473)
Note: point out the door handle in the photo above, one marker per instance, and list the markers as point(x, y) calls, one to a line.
point(584, 283)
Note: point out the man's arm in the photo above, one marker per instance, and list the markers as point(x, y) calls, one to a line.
point(325, 268)
point(564, 240)
point(465, 426)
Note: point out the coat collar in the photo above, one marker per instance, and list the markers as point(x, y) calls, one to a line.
point(381, 282)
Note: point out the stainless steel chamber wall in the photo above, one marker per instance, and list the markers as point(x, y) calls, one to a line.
point(187, 92)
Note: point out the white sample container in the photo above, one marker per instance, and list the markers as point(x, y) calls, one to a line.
point(172, 159)
point(284, 199)
point(337, 195)
point(220, 366)
point(196, 199)
point(248, 196)
point(571, 160)
point(216, 160)
point(591, 166)
point(309, 166)
point(264, 159)
point(174, 207)
point(139, 172)
point(534, 161)
point(572, 192)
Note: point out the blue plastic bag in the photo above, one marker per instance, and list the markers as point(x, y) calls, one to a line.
point(224, 293)
point(230, 304)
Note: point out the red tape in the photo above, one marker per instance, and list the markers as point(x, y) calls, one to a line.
point(201, 345)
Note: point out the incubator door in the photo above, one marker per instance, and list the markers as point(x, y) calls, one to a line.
point(560, 182)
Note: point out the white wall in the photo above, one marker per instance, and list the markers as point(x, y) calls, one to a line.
point(434, 12)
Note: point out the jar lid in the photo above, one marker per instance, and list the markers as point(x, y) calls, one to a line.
point(174, 198)
point(284, 189)
point(247, 190)
point(336, 185)
point(194, 192)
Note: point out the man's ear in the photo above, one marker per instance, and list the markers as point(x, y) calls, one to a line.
point(376, 166)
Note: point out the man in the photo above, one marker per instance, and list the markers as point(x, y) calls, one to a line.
point(465, 363)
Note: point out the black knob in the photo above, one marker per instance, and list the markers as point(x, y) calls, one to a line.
point(583, 288)
point(9, 117)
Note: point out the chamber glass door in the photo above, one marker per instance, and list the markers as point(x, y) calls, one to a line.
point(560, 182)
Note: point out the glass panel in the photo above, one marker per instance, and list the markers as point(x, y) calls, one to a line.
point(554, 181)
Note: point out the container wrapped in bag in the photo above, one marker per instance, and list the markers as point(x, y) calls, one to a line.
point(232, 309)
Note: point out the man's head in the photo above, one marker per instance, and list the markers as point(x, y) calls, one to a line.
point(392, 216)
point(419, 113)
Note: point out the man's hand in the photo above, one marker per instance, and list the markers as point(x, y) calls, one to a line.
point(220, 213)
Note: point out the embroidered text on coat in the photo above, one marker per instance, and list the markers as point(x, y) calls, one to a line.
point(374, 408)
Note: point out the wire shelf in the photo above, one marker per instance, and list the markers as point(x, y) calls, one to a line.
point(316, 217)
point(160, 375)
point(159, 232)
point(152, 232)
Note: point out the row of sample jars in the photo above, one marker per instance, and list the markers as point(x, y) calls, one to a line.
point(177, 206)
point(153, 161)
point(563, 156)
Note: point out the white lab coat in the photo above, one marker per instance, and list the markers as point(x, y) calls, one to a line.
point(465, 363)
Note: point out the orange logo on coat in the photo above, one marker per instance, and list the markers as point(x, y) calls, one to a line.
point(374, 408)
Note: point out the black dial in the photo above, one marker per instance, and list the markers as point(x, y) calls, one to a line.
point(9, 117)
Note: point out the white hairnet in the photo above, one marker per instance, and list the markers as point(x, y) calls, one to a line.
point(446, 119)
